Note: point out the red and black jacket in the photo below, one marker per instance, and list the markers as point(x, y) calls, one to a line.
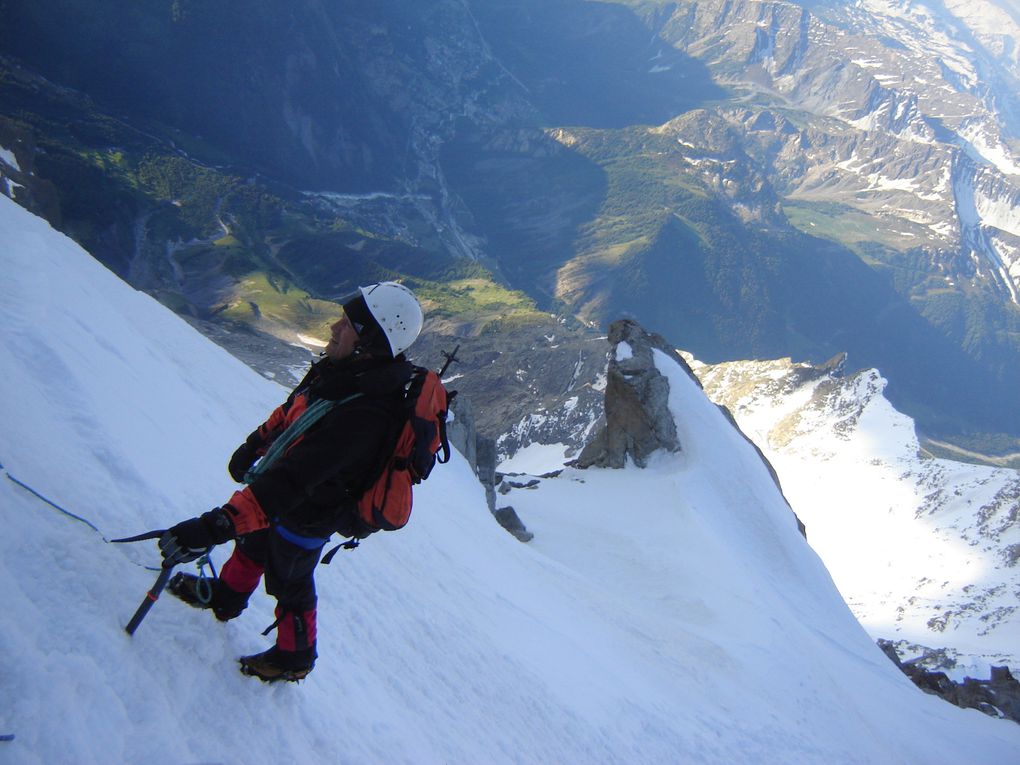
point(313, 488)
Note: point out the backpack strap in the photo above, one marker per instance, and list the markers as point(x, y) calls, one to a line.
point(350, 544)
point(443, 456)
point(444, 440)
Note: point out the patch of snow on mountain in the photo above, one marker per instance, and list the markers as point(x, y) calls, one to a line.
point(535, 459)
point(994, 26)
point(988, 147)
point(915, 26)
point(8, 158)
point(312, 341)
point(1000, 212)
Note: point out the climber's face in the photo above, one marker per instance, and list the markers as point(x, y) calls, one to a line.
point(342, 339)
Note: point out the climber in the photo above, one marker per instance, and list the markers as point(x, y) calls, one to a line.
point(341, 422)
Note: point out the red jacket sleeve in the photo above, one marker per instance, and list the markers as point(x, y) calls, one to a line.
point(266, 433)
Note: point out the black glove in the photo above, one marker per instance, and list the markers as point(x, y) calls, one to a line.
point(194, 537)
point(244, 457)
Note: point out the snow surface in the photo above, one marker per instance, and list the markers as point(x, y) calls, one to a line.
point(7, 157)
point(919, 547)
point(535, 459)
point(670, 615)
point(982, 141)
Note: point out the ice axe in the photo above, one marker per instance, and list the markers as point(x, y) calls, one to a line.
point(450, 357)
point(152, 595)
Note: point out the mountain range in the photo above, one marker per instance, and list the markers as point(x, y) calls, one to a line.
point(749, 179)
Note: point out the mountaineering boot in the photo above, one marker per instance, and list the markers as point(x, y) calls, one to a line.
point(208, 593)
point(274, 664)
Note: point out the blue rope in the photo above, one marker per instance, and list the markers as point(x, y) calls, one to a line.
point(64, 511)
point(55, 506)
point(202, 562)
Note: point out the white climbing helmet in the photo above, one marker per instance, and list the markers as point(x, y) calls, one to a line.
point(387, 309)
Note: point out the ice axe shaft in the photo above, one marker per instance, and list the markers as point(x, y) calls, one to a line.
point(150, 597)
point(450, 358)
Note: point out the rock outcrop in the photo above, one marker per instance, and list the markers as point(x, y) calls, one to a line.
point(462, 431)
point(638, 420)
point(999, 696)
point(509, 520)
point(480, 453)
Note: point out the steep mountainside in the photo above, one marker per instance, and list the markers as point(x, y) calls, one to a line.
point(924, 550)
point(694, 633)
point(749, 179)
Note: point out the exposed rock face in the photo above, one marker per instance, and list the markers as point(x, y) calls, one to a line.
point(638, 420)
point(544, 386)
point(999, 696)
point(18, 179)
point(510, 521)
point(480, 453)
point(462, 432)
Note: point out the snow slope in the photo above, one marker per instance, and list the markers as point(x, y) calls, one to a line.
point(665, 615)
point(924, 550)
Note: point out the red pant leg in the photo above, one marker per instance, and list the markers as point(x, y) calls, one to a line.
point(240, 573)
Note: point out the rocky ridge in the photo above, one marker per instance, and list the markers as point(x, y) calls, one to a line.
point(998, 696)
